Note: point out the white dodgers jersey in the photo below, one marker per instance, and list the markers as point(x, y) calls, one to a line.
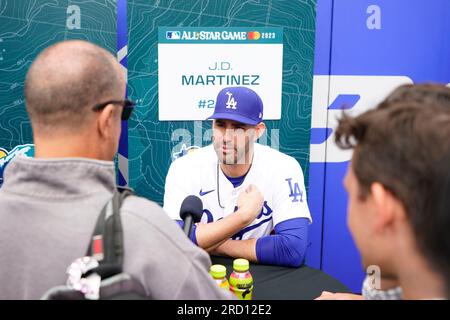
point(278, 177)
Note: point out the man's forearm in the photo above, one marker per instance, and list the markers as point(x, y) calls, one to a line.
point(238, 249)
point(210, 235)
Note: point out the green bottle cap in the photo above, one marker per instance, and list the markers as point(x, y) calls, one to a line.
point(218, 271)
point(241, 265)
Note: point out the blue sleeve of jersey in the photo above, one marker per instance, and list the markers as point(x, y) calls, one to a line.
point(287, 247)
point(193, 236)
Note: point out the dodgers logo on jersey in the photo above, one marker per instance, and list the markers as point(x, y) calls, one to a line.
point(265, 210)
point(265, 214)
point(295, 191)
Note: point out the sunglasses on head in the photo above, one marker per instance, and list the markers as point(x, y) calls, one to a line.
point(127, 105)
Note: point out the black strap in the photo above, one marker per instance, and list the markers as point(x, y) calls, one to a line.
point(108, 230)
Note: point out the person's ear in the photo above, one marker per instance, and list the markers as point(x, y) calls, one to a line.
point(105, 121)
point(259, 130)
point(387, 206)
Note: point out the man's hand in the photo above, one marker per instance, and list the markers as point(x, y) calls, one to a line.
point(339, 296)
point(212, 235)
point(249, 203)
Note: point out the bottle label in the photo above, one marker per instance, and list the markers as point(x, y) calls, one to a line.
point(241, 284)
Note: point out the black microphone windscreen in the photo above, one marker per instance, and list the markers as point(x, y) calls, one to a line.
point(192, 205)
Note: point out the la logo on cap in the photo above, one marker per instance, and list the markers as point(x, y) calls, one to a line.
point(231, 103)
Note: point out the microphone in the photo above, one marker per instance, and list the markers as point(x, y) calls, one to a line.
point(191, 211)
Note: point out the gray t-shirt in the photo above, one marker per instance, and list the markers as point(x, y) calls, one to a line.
point(48, 210)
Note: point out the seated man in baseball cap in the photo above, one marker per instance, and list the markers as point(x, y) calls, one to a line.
point(253, 196)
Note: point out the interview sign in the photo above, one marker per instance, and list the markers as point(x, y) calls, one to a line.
point(194, 64)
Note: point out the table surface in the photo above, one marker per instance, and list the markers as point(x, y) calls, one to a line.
point(281, 283)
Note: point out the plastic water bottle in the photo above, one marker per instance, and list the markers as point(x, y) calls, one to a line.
point(219, 274)
point(241, 280)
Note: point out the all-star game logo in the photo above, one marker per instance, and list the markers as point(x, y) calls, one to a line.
point(204, 35)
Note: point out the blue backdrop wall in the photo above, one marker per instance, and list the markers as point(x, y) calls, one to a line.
point(363, 50)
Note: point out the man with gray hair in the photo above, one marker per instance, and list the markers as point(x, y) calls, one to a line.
point(50, 204)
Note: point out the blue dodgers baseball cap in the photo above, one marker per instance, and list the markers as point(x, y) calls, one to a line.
point(240, 104)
